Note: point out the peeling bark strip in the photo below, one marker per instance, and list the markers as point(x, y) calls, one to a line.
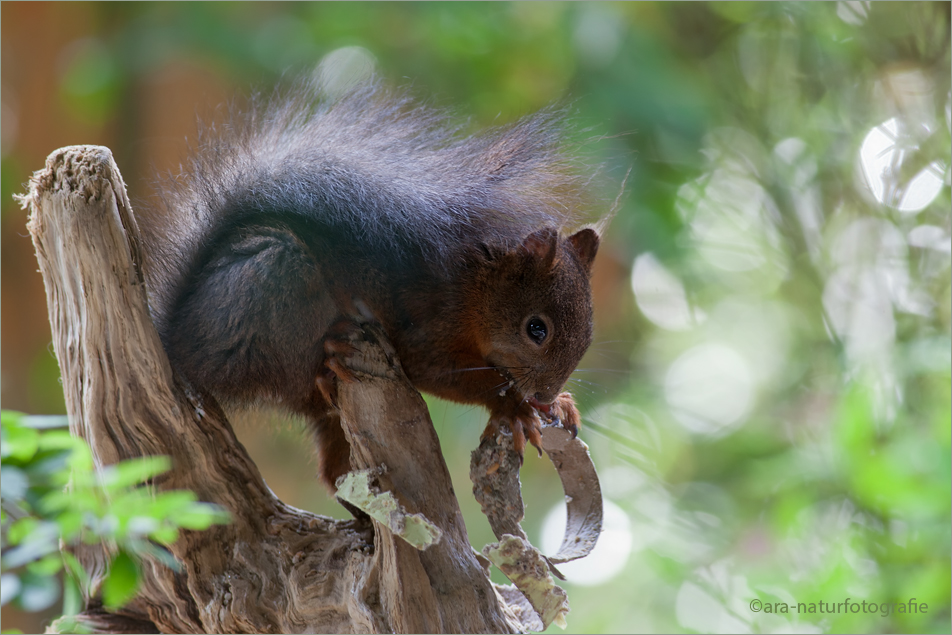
point(275, 568)
point(583, 493)
point(494, 470)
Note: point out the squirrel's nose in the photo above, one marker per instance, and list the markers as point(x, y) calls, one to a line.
point(544, 397)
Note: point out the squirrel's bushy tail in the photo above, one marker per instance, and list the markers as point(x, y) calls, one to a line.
point(370, 163)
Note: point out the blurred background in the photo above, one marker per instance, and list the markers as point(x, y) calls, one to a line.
point(768, 396)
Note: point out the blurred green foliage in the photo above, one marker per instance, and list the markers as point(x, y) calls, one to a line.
point(768, 397)
point(52, 495)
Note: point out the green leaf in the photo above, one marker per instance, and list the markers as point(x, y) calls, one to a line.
point(166, 504)
point(21, 529)
point(79, 498)
point(165, 535)
point(72, 597)
point(19, 443)
point(69, 624)
point(47, 565)
point(201, 516)
point(10, 418)
point(122, 583)
point(76, 571)
point(59, 440)
point(134, 471)
point(81, 460)
point(70, 523)
point(855, 428)
point(128, 503)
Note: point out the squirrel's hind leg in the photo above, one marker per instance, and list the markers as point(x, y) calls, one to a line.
point(333, 450)
point(250, 325)
point(253, 327)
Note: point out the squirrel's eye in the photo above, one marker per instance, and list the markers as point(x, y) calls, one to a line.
point(536, 330)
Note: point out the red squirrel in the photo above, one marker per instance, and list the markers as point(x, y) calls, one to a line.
point(304, 206)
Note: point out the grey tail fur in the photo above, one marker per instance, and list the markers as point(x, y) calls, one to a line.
point(395, 175)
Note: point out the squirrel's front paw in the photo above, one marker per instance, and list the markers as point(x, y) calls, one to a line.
point(338, 344)
point(526, 418)
point(521, 419)
point(564, 412)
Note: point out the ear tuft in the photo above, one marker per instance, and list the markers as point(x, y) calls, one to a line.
point(585, 243)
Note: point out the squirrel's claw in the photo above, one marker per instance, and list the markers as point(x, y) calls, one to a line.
point(337, 346)
point(526, 429)
point(334, 347)
point(328, 387)
point(518, 437)
point(522, 421)
point(534, 435)
point(566, 413)
point(342, 372)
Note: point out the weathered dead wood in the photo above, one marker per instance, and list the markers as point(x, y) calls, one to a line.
point(275, 568)
point(443, 588)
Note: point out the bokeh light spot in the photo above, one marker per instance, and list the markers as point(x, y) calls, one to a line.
point(881, 156)
point(610, 555)
point(922, 189)
point(342, 68)
point(660, 295)
point(709, 389)
point(877, 154)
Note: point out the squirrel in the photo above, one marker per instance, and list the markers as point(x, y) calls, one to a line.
point(305, 210)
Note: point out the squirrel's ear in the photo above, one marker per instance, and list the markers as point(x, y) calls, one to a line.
point(585, 244)
point(542, 245)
